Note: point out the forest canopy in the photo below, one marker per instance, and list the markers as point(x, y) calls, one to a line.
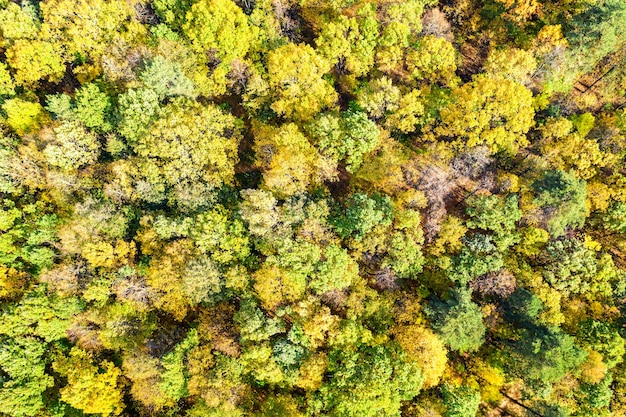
point(290, 208)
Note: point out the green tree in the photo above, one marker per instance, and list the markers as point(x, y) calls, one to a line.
point(479, 256)
point(28, 230)
point(166, 79)
point(361, 214)
point(458, 321)
point(344, 138)
point(93, 107)
point(540, 353)
point(335, 271)
point(368, 381)
point(174, 377)
point(591, 35)
point(219, 25)
point(22, 389)
point(350, 42)
point(561, 198)
point(189, 151)
point(604, 338)
point(460, 401)
point(496, 214)
point(615, 218)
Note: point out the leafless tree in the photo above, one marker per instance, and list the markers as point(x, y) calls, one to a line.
point(136, 290)
point(500, 284)
point(386, 280)
point(434, 23)
point(146, 14)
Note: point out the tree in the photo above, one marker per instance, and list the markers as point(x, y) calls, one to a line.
point(294, 76)
point(190, 148)
point(219, 33)
point(7, 86)
point(361, 214)
point(462, 401)
point(424, 347)
point(18, 22)
point(138, 109)
point(569, 266)
point(379, 97)
point(541, 354)
point(404, 246)
point(615, 218)
point(458, 321)
point(174, 376)
point(497, 215)
point(258, 209)
point(496, 113)
point(603, 338)
point(93, 107)
point(368, 381)
point(433, 59)
point(335, 271)
point(144, 372)
point(28, 230)
point(511, 63)
point(409, 113)
point(166, 79)
point(33, 60)
point(561, 198)
point(402, 24)
point(93, 388)
point(570, 150)
point(22, 390)
point(546, 355)
point(23, 116)
point(479, 256)
point(350, 42)
point(219, 25)
point(73, 147)
point(500, 284)
point(275, 286)
point(594, 25)
point(290, 164)
point(345, 138)
point(85, 29)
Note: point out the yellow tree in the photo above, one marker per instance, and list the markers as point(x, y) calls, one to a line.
point(92, 388)
point(511, 63)
point(434, 59)
point(23, 116)
point(424, 347)
point(86, 28)
point(496, 113)
point(33, 60)
point(571, 151)
point(219, 33)
point(16, 23)
point(350, 42)
point(296, 87)
point(289, 163)
point(275, 286)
